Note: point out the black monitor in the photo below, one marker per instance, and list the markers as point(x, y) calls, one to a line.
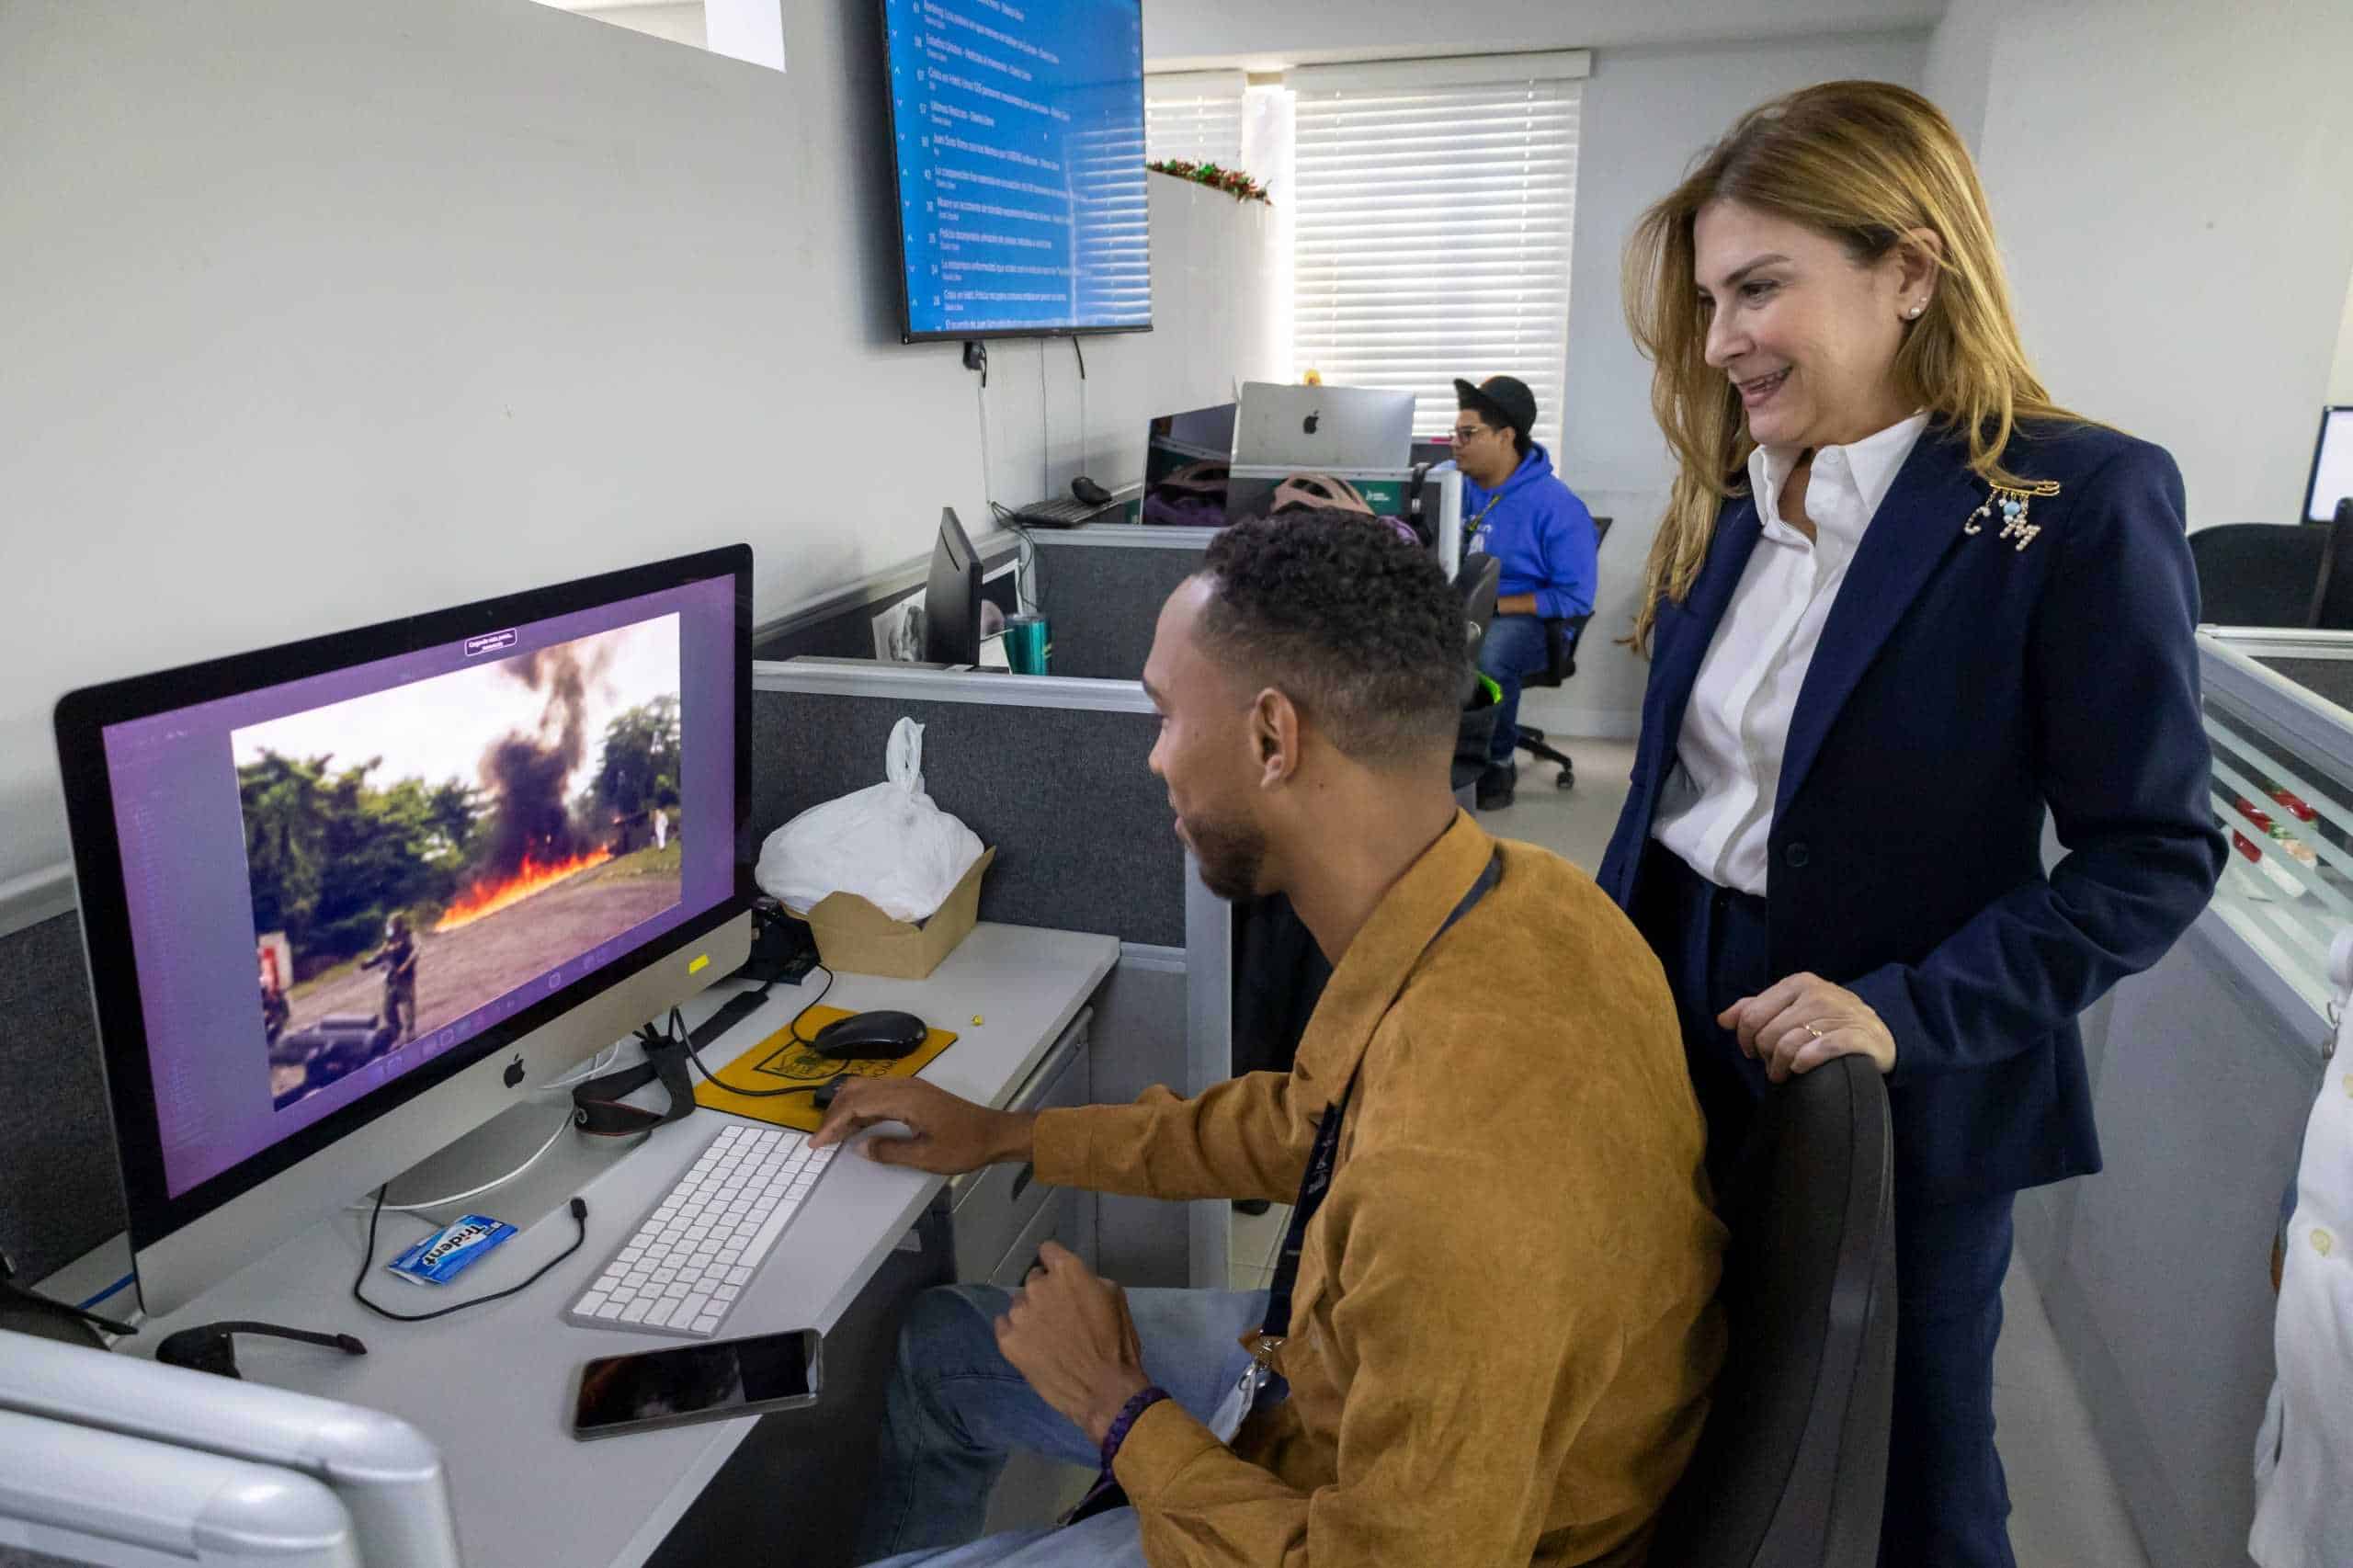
point(1185, 461)
point(2332, 475)
point(951, 603)
point(1195, 433)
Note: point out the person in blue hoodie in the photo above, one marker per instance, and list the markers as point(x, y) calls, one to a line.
point(1518, 510)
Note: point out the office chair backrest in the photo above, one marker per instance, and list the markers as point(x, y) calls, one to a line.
point(1791, 1465)
point(386, 1473)
point(2261, 574)
point(2333, 598)
point(1478, 581)
point(84, 1495)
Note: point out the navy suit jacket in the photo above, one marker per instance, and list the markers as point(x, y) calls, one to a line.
point(1961, 686)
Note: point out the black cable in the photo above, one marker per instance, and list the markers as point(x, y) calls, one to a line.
point(1082, 358)
point(695, 1056)
point(368, 1261)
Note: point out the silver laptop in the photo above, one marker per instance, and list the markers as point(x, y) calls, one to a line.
point(1323, 427)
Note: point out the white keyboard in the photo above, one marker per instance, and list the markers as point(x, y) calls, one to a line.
point(682, 1269)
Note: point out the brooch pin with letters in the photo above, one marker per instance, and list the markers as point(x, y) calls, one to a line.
point(2013, 505)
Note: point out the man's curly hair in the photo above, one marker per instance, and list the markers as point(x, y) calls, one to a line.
point(1356, 627)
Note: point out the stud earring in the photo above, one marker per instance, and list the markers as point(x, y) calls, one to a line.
point(1913, 313)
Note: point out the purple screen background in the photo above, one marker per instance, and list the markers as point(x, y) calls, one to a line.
point(189, 896)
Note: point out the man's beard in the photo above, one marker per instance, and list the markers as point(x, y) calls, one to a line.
point(1230, 853)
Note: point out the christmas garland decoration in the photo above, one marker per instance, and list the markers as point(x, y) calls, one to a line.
point(1233, 182)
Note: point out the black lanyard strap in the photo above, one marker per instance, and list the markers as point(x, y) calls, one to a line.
point(1326, 1154)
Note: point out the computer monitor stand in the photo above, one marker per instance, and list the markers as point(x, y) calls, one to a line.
point(498, 1146)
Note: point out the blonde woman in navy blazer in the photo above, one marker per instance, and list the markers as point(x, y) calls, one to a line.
point(1900, 606)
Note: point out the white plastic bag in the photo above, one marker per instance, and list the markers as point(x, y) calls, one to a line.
point(888, 843)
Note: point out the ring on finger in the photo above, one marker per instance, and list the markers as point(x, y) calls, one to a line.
point(1814, 1030)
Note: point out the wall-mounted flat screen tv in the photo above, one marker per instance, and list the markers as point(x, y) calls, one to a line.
point(1017, 131)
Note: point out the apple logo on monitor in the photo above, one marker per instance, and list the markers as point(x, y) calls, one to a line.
point(1308, 425)
point(514, 1073)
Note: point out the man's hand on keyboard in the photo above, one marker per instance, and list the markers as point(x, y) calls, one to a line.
point(950, 1135)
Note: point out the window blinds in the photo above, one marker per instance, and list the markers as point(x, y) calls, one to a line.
point(1433, 220)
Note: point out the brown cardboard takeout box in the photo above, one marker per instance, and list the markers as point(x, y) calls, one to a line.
point(855, 938)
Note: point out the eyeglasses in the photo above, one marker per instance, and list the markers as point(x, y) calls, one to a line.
point(1464, 433)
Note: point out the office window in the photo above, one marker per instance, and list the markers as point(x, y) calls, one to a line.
point(1433, 204)
point(1196, 116)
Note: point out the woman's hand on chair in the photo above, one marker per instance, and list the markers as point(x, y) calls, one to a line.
point(1802, 1021)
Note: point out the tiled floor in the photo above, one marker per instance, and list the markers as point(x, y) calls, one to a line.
point(2067, 1510)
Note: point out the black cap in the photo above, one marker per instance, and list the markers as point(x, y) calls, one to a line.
point(1504, 400)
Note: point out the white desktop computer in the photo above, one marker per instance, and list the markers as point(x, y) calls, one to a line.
point(347, 901)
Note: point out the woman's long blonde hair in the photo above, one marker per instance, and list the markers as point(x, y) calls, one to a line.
point(1865, 163)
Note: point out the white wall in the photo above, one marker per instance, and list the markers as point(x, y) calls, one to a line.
point(1648, 112)
point(322, 311)
point(1960, 67)
point(2169, 181)
point(2340, 372)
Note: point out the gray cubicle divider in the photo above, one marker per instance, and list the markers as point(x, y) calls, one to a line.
point(1053, 774)
point(1102, 588)
point(840, 625)
point(60, 1194)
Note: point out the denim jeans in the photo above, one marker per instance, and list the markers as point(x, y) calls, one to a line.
point(957, 1407)
point(1514, 648)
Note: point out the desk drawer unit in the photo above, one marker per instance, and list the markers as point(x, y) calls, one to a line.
point(989, 1209)
point(1057, 1220)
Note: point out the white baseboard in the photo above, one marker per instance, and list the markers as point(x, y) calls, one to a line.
point(1579, 722)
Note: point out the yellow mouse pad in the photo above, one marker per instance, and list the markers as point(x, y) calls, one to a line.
point(781, 1062)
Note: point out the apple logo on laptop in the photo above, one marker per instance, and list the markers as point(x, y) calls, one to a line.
point(1307, 425)
point(514, 1073)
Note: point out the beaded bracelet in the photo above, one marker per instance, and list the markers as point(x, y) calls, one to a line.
point(1145, 1400)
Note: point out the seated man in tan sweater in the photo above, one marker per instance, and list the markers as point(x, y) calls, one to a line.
point(1492, 1331)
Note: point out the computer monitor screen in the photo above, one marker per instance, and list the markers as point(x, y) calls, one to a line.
point(952, 602)
point(1185, 464)
point(2332, 476)
point(1017, 133)
point(324, 881)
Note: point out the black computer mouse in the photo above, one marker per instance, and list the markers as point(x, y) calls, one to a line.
point(1089, 492)
point(825, 1096)
point(882, 1035)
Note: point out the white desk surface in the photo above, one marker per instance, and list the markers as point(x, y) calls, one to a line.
point(489, 1386)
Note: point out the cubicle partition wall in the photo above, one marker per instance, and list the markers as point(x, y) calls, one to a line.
point(60, 1195)
point(1054, 776)
point(840, 625)
point(1102, 588)
point(2156, 1273)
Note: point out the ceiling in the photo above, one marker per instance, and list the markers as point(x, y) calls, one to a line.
point(1265, 35)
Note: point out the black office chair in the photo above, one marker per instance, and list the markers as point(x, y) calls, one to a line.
point(2264, 574)
point(1477, 583)
point(2333, 600)
point(1561, 634)
point(1792, 1464)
